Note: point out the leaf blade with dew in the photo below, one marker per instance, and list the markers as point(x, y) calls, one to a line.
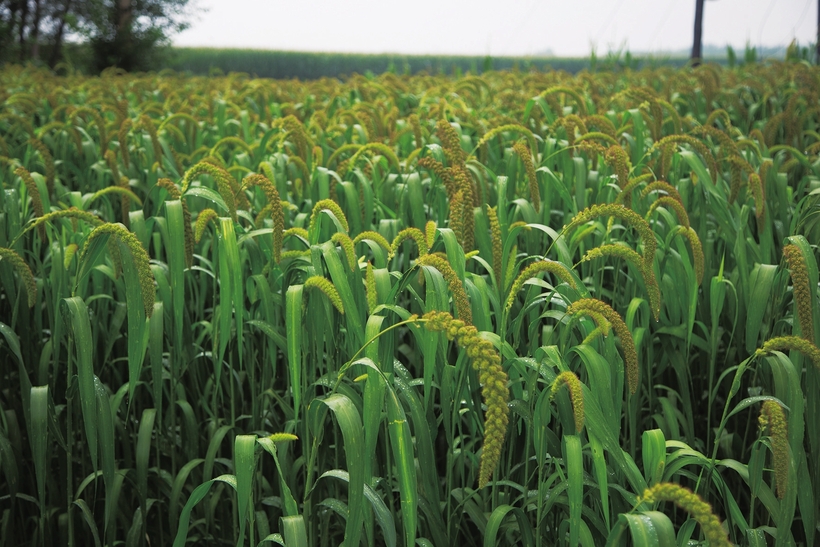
point(245, 467)
point(77, 317)
point(350, 422)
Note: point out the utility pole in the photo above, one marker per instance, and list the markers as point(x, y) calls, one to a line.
point(697, 54)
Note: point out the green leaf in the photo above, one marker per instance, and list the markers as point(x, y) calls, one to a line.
point(80, 325)
point(760, 284)
point(350, 423)
point(383, 515)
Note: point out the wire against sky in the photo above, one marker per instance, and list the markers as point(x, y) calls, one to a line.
point(478, 27)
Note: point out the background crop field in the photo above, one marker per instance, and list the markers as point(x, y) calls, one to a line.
point(515, 308)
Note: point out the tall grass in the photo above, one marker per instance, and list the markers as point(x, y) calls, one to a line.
point(237, 311)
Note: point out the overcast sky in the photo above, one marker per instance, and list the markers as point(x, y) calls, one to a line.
point(488, 27)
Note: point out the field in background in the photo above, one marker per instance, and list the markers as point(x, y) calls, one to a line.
point(518, 308)
point(305, 65)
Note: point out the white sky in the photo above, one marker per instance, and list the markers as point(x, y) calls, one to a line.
point(481, 27)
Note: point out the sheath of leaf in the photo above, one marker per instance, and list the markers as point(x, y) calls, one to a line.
point(513, 128)
point(486, 360)
point(801, 288)
point(23, 271)
point(620, 328)
point(48, 162)
point(694, 505)
point(619, 160)
point(370, 288)
point(627, 215)
point(174, 193)
point(526, 158)
point(272, 195)
point(773, 418)
point(576, 395)
point(410, 233)
point(533, 270)
point(697, 250)
point(324, 286)
point(332, 207)
point(792, 343)
point(138, 255)
point(667, 143)
point(670, 203)
point(460, 300)
point(34, 194)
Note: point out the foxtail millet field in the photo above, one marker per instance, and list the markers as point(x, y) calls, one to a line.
point(510, 309)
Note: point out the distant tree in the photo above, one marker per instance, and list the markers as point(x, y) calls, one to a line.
point(129, 34)
point(697, 47)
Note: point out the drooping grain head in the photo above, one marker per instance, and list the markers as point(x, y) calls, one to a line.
point(773, 419)
point(694, 505)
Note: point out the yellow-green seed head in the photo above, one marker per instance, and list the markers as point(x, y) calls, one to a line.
point(801, 288)
point(494, 390)
point(773, 419)
point(138, 255)
point(555, 268)
point(792, 343)
point(576, 395)
point(326, 287)
point(332, 207)
point(23, 271)
point(694, 505)
point(620, 328)
point(460, 300)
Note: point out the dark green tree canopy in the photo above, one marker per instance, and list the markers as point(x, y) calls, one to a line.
point(128, 34)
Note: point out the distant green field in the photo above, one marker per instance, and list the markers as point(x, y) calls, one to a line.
point(305, 65)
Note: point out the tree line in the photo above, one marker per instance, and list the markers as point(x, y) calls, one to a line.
point(123, 33)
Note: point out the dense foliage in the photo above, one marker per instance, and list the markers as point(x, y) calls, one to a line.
point(517, 308)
